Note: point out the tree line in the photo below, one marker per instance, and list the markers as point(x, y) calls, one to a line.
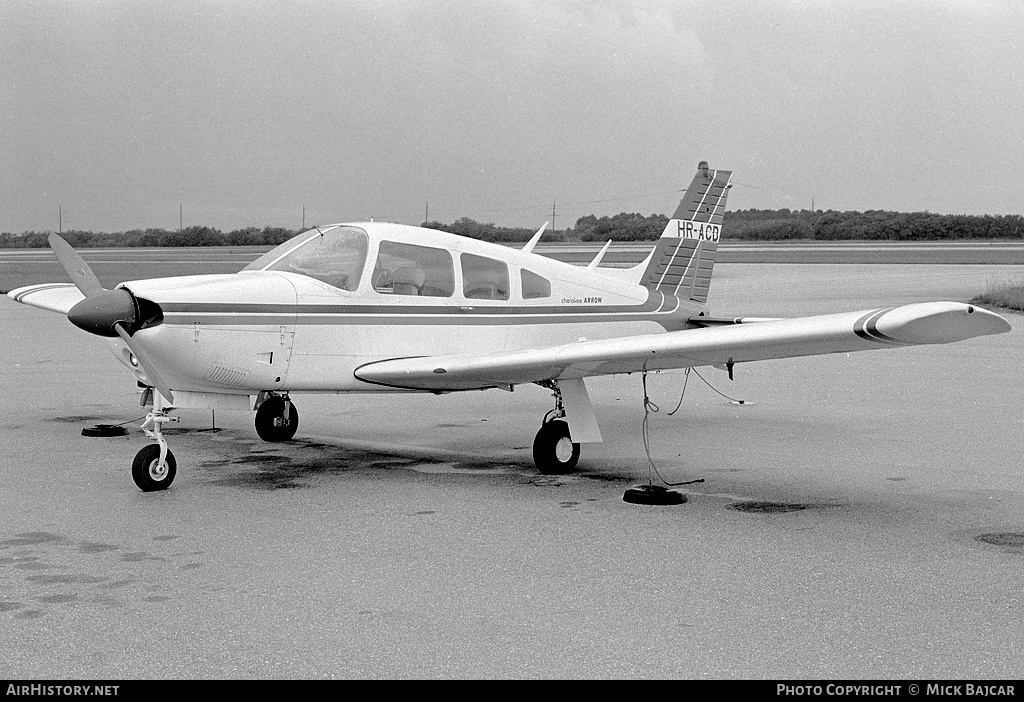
point(189, 236)
point(763, 225)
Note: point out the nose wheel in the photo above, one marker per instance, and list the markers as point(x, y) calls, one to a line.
point(152, 473)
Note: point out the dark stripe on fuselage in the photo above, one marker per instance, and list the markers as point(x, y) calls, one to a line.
point(659, 307)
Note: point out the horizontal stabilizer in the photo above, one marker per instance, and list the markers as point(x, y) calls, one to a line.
point(922, 323)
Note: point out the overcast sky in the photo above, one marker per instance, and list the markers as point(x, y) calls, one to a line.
point(244, 112)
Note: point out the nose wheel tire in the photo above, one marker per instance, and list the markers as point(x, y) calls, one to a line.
point(272, 424)
point(554, 452)
point(147, 472)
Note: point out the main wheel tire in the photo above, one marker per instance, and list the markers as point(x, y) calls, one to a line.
point(271, 423)
point(553, 449)
point(146, 471)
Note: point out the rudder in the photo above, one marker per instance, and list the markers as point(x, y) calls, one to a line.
point(684, 257)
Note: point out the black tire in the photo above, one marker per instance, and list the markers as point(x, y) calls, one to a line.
point(554, 453)
point(145, 472)
point(272, 425)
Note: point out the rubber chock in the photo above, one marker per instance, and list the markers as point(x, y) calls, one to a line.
point(653, 495)
point(105, 430)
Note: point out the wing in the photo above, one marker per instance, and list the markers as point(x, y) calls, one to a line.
point(923, 323)
point(55, 297)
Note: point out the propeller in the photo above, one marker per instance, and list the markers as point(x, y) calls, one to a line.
point(110, 313)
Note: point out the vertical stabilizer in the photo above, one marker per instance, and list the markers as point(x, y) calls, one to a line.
point(684, 257)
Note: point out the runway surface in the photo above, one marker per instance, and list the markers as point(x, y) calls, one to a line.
point(411, 536)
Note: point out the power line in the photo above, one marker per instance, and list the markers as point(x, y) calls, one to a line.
point(539, 208)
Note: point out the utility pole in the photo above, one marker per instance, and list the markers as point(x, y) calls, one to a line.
point(553, 215)
point(303, 218)
point(426, 211)
point(179, 217)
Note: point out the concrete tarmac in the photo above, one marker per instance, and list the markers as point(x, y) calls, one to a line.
point(410, 536)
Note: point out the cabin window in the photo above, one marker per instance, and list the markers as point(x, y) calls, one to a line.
point(534, 286)
point(408, 269)
point(484, 278)
point(335, 257)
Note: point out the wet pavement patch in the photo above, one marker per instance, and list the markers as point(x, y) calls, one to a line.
point(261, 480)
point(32, 538)
point(94, 547)
point(768, 507)
point(29, 614)
point(138, 556)
point(76, 419)
point(65, 579)
point(261, 459)
point(606, 477)
point(1013, 539)
point(47, 572)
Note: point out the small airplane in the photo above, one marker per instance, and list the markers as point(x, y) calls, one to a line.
point(375, 307)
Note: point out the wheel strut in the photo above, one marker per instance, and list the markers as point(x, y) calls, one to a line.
point(559, 411)
point(554, 452)
point(153, 428)
point(154, 466)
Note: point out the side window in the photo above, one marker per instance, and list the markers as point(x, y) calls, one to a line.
point(535, 286)
point(408, 269)
point(484, 278)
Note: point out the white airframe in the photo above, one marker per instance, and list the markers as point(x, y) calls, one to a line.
point(375, 307)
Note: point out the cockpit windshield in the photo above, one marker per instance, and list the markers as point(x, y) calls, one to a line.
point(334, 255)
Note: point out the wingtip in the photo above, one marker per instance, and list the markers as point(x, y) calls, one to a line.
point(940, 323)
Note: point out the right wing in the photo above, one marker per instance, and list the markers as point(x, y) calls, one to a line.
point(921, 323)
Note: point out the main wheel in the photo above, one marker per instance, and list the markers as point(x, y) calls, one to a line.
point(553, 449)
point(147, 472)
point(271, 422)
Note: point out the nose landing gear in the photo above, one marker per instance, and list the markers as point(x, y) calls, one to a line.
point(154, 466)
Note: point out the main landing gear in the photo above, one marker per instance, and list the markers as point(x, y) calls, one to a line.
point(554, 452)
point(276, 418)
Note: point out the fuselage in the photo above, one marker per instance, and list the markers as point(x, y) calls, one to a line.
point(306, 315)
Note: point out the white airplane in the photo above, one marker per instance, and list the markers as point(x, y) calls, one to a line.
point(378, 307)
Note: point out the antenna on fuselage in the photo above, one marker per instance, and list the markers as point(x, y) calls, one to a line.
point(600, 255)
point(536, 237)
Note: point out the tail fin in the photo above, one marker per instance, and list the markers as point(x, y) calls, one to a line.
point(684, 257)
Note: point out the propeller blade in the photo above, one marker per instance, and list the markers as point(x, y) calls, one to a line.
point(104, 311)
point(76, 267)
point(151, 372)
